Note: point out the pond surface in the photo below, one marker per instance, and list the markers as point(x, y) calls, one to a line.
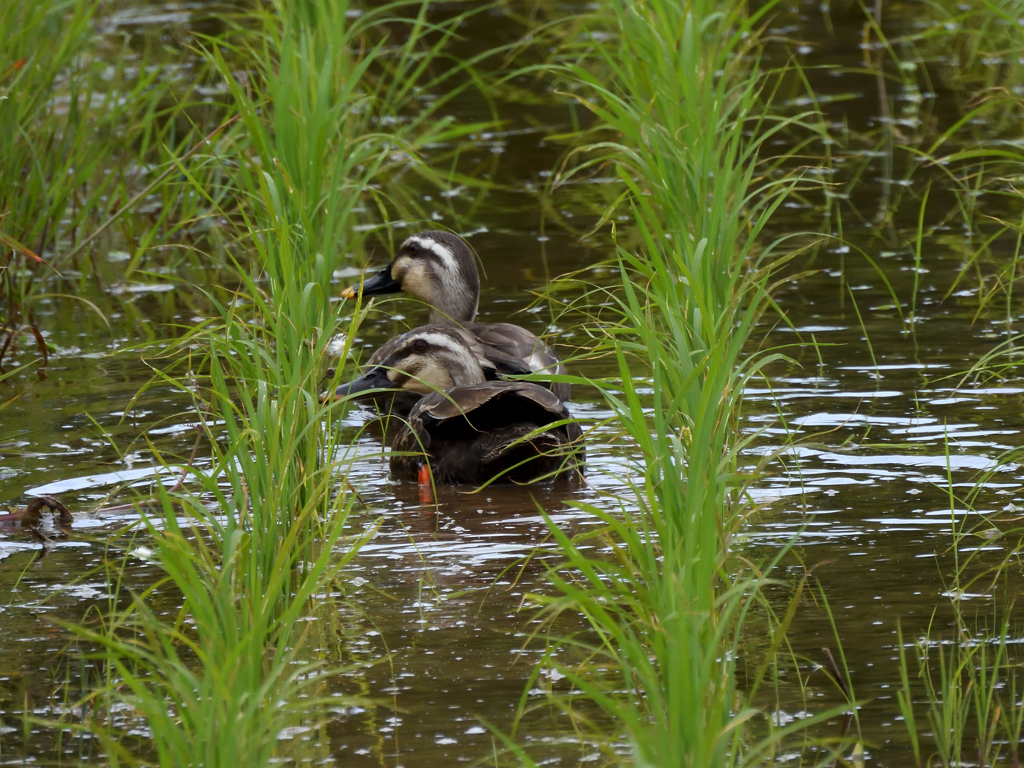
point(433, 601)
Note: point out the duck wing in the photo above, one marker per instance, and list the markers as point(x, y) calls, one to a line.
point(493, 404)
point(506, 341)
point(495, 360)
point(495, 429)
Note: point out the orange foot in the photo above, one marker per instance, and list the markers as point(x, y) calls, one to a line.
point(426, 485)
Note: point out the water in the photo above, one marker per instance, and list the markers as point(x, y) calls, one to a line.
point(428, 617)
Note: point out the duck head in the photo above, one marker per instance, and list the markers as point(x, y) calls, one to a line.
point(423, 360)
point(437, 267)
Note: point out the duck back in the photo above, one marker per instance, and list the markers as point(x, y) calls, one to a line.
point(508, 431)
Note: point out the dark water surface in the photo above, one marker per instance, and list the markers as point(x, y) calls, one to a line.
point(433, 600)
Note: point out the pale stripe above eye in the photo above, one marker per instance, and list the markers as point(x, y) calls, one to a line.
point(445, 342)
point(443, 252)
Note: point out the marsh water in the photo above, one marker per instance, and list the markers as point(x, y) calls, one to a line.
point(429, 618)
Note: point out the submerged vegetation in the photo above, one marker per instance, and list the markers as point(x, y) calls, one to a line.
point(245, 169)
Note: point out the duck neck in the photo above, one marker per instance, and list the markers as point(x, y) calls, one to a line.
point(437, 317)
point(459, 311)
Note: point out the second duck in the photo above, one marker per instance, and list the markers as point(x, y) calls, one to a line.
point(466, 429)
point(440, 269)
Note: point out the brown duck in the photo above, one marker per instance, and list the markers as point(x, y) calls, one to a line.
point(467, 429)
point(440, 269)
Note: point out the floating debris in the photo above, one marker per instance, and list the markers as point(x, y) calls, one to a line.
point(32, 514)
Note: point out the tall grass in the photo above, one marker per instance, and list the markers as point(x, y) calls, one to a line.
point(311, 168)
point(678, 91)
point(217, 685)
point(968, 687)
point(347, 126)
point(44, 160)
point(960, 696)
point(307, 168)
point(969, 51)
point(80, 137)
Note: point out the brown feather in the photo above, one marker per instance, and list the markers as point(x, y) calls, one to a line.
point(440, 268)
point(495, 430)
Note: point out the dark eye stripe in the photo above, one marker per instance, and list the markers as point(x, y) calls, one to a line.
point(412, 350)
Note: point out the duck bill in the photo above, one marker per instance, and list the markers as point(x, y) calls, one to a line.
point(374, 379)
point(378, 285)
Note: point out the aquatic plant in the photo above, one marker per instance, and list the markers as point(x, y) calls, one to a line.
point(346, 126)
point(677, 90)
point(93, 128)
point(221, 682)
point(84, 145)
point(267, 515)
point(964, 680)
point(968, 687)
point(970, 51)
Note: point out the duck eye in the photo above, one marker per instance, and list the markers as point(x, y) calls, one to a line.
point(413, 249)
point(420, 345)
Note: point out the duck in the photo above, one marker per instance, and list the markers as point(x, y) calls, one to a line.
point(440, 269)
point(390, 401)
point(467, 429)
